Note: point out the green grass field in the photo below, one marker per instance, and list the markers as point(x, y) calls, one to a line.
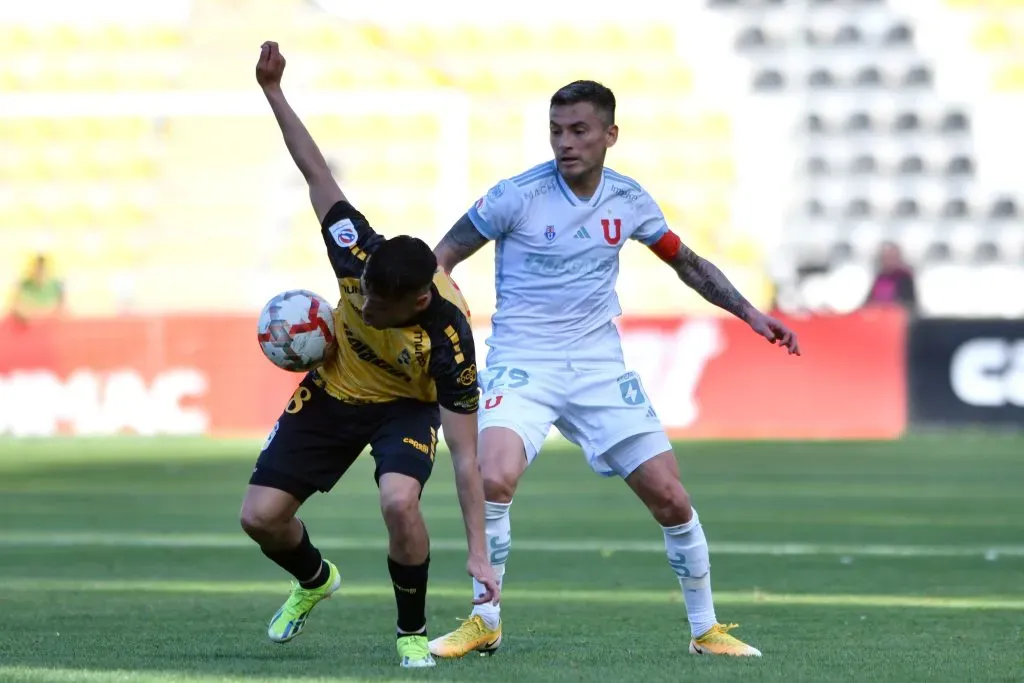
point(123, 561)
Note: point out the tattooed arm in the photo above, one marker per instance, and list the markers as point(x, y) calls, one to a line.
point(708, 281)
point(461, 242)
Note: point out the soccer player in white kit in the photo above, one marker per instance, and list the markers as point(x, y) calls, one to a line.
point(555, 354)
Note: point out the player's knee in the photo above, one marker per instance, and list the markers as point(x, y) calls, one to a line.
point(401, 510)
point(499, 487)
point(669, 503)
point(261, 522)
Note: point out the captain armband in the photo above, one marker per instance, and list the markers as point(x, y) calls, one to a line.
point(667, 246)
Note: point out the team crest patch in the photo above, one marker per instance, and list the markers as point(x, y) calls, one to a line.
point(549, 232)
point(344, 233)
point(468, 376)
point(630, 390)
point(497, 190)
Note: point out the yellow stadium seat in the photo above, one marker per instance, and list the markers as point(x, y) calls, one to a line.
point(1009, 77)
point(985, 4)
point(415, 39)
point(117, 37)
point(16, 38)
point(160, 37)
point(65, 38)
point(742, 250)
point(28, 214)
point(68, 217)
point(992, 36)
point(715, 169)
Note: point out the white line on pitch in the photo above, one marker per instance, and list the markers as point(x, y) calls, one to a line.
point(44, 539)
point(381, 590)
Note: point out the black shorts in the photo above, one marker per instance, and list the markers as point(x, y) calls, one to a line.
point(318, 437)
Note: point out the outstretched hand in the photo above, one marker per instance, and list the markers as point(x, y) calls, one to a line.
point(775, 332)
point(270, 67)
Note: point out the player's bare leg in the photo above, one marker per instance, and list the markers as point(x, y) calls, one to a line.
point(408, 563)
point(657, 484)
point(502, 459)
point(268, 517)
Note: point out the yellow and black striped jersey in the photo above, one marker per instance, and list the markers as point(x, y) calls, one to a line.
point(433, 359)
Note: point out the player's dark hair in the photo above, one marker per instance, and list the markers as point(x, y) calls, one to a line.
point(400, 266)
point(593, 92)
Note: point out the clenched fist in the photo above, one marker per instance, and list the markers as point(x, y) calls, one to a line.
point(270, 66)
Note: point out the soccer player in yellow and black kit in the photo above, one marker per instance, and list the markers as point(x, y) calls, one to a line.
point(404, 365)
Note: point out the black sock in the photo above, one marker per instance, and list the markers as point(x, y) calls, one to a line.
point(410, 583)
point(302, 562)
point(321, 577)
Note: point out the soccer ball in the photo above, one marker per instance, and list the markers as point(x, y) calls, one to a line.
point(296, 330)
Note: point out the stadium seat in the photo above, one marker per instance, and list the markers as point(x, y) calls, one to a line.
point(907, 122)
point(869, 77)
point(954, 122)
point(849, 34)
point(898, 34)
point(960, 165)
point(911, 165)
point(917, 77)
point(752, 37)
point(859, 122)
point(1003, 208)
point(820, 78)
point(863, 164)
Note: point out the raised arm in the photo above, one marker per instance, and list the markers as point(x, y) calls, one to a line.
point(323, 190)
point(459, 243)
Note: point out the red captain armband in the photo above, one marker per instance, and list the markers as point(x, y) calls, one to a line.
point(667, 246)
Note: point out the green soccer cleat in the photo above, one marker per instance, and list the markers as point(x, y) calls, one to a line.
point(289, 620)
point(414, 651)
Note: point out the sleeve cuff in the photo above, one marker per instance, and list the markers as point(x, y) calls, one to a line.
point(481, 224)
point(652, 239)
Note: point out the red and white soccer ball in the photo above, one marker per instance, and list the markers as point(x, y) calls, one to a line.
point(296, 330)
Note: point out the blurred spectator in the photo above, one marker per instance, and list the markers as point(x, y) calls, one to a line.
point(39, 294)
point(894, 281)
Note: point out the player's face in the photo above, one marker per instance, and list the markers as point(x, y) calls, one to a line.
point(580, 137)
point(382, 313)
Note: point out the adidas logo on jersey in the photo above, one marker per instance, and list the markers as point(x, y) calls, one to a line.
point(582, 234)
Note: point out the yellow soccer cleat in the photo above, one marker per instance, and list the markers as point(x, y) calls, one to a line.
point(472, 635)
point(717, 641)
point(414, 651)
point(289, 620)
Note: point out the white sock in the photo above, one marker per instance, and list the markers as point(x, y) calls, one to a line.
point(687, 551)
point(499, 545)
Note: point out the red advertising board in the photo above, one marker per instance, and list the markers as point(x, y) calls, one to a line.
point(715, 378)
point(707, 377)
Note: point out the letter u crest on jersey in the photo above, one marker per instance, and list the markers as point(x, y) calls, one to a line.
point(612, 230)
point(549, 232)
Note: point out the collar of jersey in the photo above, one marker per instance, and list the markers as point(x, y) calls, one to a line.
point(572, 198)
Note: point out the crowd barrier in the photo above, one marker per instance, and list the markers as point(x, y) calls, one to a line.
point(872, 374)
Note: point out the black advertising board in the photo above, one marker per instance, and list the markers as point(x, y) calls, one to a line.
point(966, 372)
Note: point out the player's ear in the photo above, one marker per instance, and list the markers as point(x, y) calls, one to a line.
point(422, 301)
point(612, 135)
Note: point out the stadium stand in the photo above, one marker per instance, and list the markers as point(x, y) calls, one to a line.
point(884, 153)
point(166, 163)
point(128, 203)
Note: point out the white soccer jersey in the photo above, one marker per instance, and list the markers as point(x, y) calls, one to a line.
point(557, 260)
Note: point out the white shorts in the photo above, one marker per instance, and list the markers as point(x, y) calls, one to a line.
point(599, 406)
